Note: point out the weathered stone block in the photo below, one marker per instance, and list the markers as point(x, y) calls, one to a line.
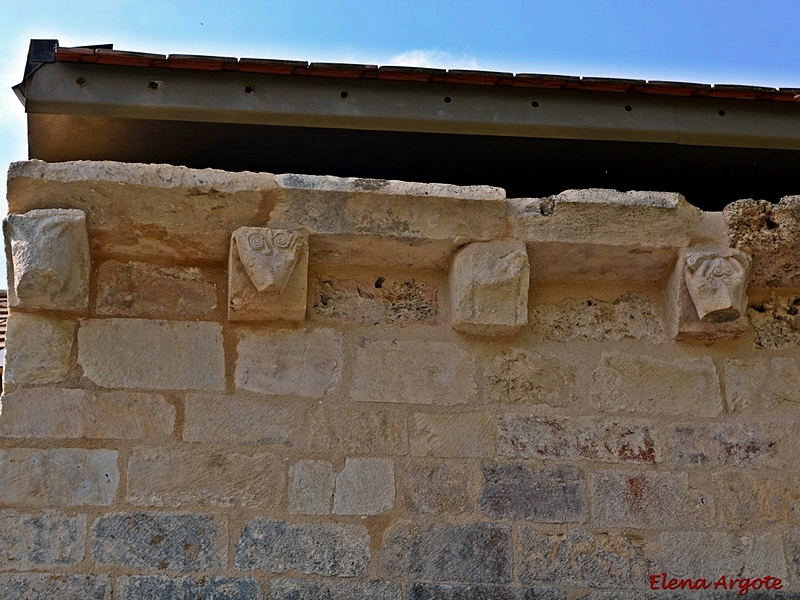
point(141, 353)
point(731, 445)
point(43, 586)
point(154, 540)
point(607, 440)
point(646, 384)
point(37, 349)
point(267, 275)
point(68, 413)
point(48, 260)
point(518, 491)
point(711, 554)
point(776, 321)
point(331, 549)
point(148, 211)
point(334, 428)
point(706, 294)
point(769, 232)
point(580, 559)
point(648, 501)
point(306, 363)
point(401, 301)
point(48, 540)
point(235, 420)
point(399, 223)
point(452, 435)
point(443, 373)
point(475, 553)
point(517, 376)
point(161, 477)
point(311, 487)
point(285, 588)
point(631, 316)
point(160, 587)
point(761, 383)
point(489, 288)
point(792, 546)
point(136, 289)
point(439, 488)
point(58, 477)
point(364, 487)
point(754, 500)
point(603, 234)
point(443, 591)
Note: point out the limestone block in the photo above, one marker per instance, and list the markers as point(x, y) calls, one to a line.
point(706, 294)
point(776, 322)
point(756, 500)
point(148, 211)
point(603, 234)
point(444, 591)
point(711, 554)
point(331, 549)
point(516, 491)
point(631, 316)
point(452, 435)
point(474, 553)
point(383, 300)
point(48, 260)
point(155, 540)
point(646, 384)
point(437, 488)
point(443, 372)
point(58, 477)
point(142, 353)
point(48, 540)
point(311, 487)
point(267, 275)
point(770, 233)
point(234, 420)
point(489, 288)
point(306, 363)
point(161, 587)
point(22, 586)
point(285, 588)
point(517, 376)
point(37, 349)
point(749, 445)
point(587, 438)
point(161, 477)
point(761, 383)
point(68, 413)
point(137, 289)
point(580, 559)
point(379, 222)
point(333, 428)
point(648, 501)
point(364, 487)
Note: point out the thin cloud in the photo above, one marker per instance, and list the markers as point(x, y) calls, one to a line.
point(435, 59)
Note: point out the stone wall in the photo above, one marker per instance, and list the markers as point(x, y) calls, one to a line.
point(246, 386)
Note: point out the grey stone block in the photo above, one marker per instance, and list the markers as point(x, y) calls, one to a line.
point(320, 589)
point(364, 487)
point(753, 445)
point(517, 491)
point(319, 549)
point(160, 587)
point(440, 591)
point(311, 484)
point(580, 559)
point(173, 542)
point(54, 586)
point(474, 553)
point(47, 540)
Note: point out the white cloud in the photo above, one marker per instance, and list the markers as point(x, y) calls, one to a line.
point(434, 58)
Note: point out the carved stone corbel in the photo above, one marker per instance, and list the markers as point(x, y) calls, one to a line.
point(267, 275)
point(47, 253)
point(706, 294)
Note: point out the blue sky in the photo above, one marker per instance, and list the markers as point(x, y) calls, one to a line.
point(708, 41)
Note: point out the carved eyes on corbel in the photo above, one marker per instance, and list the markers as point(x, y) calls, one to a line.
point(269, 256)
